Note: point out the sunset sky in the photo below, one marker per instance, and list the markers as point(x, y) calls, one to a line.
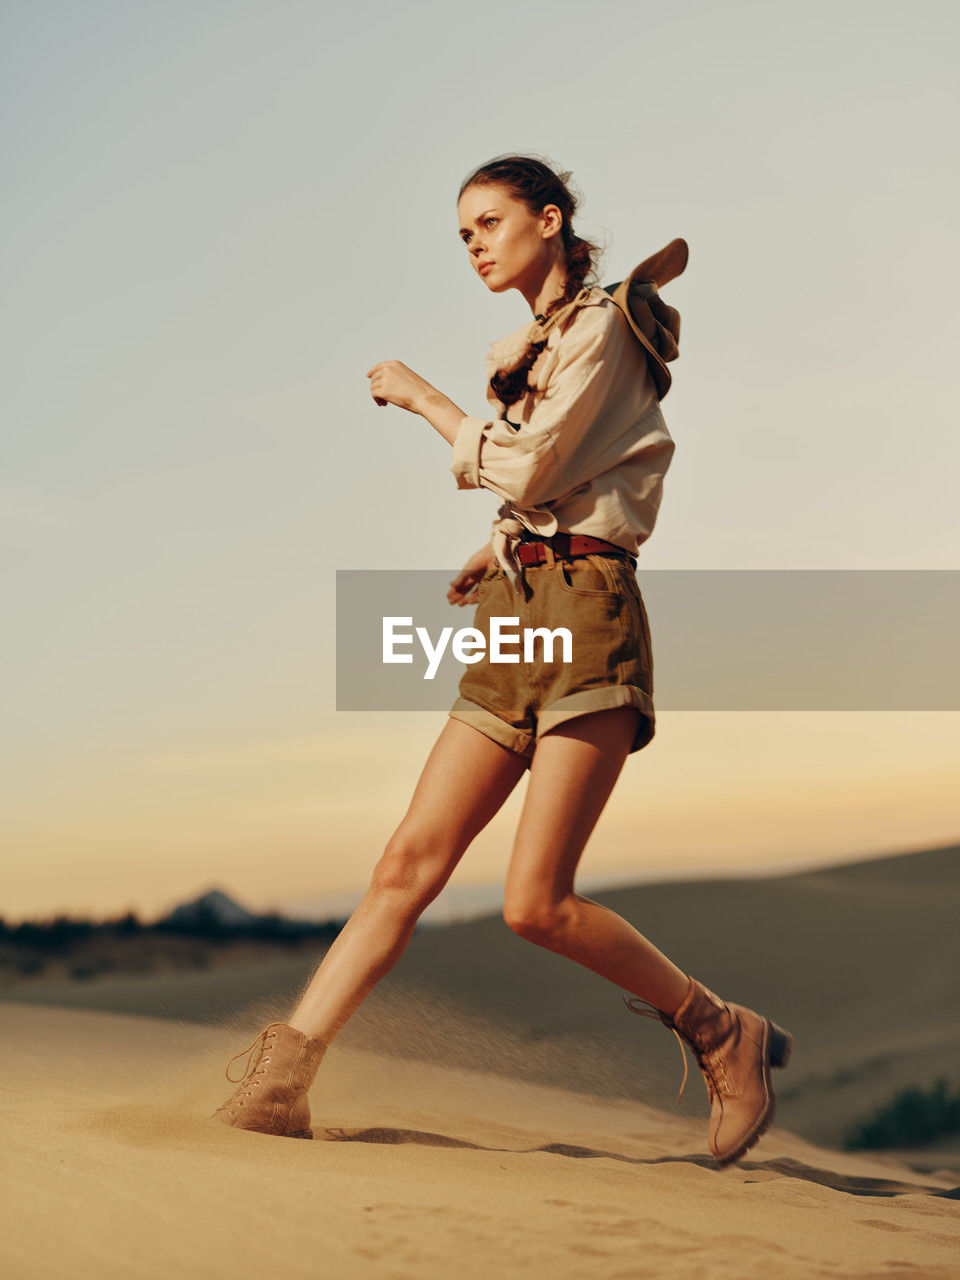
point(219, 216)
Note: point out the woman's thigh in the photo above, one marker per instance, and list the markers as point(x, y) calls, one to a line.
point(574, 769)
point(464, 782)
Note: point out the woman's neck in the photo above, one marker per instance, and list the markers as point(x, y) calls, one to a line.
point(552, 289)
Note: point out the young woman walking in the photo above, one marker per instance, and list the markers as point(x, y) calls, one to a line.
point(577, 449)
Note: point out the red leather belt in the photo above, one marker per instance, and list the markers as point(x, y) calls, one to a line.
point(568, 545)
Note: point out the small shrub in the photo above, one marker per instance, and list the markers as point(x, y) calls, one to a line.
point(912, 1117)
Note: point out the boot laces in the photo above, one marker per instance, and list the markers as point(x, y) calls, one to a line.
point(705, 1060)
point(268, 1038)
point(652, 1011)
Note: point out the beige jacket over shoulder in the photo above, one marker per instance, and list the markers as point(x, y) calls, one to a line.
point(586, 450)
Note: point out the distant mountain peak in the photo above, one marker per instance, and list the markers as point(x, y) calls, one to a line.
point(214, 904)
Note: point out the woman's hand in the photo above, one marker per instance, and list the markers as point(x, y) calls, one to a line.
point(391, 382)
point(463, 588)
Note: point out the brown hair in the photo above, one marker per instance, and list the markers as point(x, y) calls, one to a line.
point(533, 182)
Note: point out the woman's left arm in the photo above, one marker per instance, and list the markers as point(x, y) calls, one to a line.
point(392, 382)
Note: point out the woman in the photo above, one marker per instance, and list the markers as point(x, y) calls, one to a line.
point(577, 450)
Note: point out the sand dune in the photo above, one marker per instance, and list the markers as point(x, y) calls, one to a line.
point(860, 962)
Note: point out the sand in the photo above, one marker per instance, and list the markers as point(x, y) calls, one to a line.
point(112, 1169)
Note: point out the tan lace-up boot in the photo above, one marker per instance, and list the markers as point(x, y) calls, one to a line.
point(271, 1096)
point(735, 1049)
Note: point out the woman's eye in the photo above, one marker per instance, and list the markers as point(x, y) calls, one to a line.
point(468, 235)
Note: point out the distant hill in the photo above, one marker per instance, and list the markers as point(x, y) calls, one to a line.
point(212, 907)
point(209, 930)
point(216, 912)
point(924, 867)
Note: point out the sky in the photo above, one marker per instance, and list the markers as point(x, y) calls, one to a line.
point(218, 216)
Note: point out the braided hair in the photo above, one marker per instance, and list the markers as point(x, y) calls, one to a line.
point(536, 185)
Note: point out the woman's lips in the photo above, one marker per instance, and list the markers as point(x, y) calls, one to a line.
point(487, 266)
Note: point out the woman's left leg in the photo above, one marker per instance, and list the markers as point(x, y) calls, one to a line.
point(572, 774)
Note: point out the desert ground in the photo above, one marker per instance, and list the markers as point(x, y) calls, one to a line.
point(494, 1110)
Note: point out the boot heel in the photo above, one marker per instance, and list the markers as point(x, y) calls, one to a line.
point(781, 1043)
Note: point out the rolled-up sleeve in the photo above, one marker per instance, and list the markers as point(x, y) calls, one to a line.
point(543, 459)
point(466, 451)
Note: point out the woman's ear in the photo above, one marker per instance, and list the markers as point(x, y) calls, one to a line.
point(551, 221)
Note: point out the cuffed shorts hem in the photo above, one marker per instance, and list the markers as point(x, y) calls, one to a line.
point(493, 727)
point(587, 700)
point(568, 708)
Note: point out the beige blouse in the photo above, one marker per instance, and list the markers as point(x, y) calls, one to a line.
point(587, 450)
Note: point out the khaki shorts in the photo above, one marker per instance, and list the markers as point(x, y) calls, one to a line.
point(598, 599)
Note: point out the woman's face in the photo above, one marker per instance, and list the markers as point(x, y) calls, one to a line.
point(509, 247)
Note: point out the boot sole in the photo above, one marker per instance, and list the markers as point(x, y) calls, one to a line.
point(777, 1050)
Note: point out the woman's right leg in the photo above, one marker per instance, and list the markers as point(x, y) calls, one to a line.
point(466, 779)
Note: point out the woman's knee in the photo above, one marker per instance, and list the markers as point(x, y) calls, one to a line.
point(537, 919)
point(410, 869)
